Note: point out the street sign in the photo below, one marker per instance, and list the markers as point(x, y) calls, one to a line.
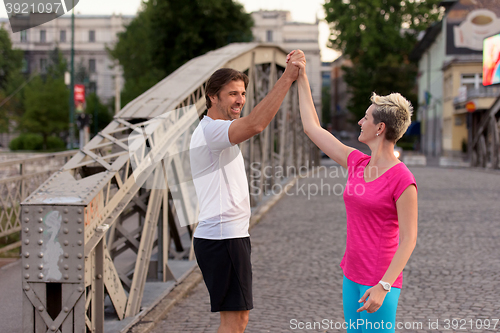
point(470, 106)
point(79, 94)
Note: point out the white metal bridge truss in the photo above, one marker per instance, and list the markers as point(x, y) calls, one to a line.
point(108, 220)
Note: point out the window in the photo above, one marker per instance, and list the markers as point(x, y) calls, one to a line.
point(92, 65)
point(24, 36)
point(43, 36)
point(471, 81)
point(269, 37)
point(43, 65)
point(91, 35)
point(62, 36)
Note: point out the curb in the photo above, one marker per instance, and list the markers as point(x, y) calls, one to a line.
point(155, 314)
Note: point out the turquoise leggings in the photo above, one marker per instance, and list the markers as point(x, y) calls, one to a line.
point(382, 320)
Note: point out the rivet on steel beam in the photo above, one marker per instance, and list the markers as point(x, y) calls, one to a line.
point(66, 267)
point(79, 267)
point(66, 276)
point(26, 229)
point(79, 211)
point(79, 220)
point(66, 309)
point(65, 220)
point(65, 210)
point(40, 255)
point(80, 256)
point(80, 277)
point(40, 220)
point(66, 243)
point(99, 276)
point(40, 276)
point(40, 308)
point(40, 210)
point(80, 242)
point(40, 242)
point(26, 254)
point(40, 230)
point(27, 266)
point(65, 230)
point(80, 230)
point(26, 287)
point(53, 328)
point(26, 241)
point(66, 255)
point(80, 289)
point(27, 219)
point(40, 267)
point(26, 211)
point(26, 276)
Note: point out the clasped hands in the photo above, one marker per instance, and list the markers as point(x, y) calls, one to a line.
point(298, 60)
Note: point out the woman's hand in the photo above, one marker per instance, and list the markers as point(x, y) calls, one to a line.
point(374, 302)
point(299, 61)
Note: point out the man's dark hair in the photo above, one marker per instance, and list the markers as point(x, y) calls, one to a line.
point(219, 79)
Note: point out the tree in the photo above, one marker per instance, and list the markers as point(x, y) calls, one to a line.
point(11, 79)
point(46, 101)
point(93, 106)
point(378, 36)
point(167, 33)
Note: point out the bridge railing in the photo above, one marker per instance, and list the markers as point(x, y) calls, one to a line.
point(18, 178)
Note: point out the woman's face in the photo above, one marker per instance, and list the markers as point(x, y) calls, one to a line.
point(368, 129)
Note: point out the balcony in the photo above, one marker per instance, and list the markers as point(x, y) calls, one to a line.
point(483, 98)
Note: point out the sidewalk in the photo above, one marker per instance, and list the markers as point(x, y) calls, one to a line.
point(297, 247)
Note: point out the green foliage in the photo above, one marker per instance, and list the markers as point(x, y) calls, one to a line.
point(104, 116)
point(10, 59)
point(167, 33)
point(378, 35)
point(10, 79)
point(46, 101)
point(27, 141)
point(33, 141)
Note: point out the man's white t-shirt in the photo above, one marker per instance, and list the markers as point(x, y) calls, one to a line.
point(220, 181)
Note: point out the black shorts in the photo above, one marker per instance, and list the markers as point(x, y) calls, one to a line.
point(227, 271)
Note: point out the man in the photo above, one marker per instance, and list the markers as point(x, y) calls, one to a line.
point(221, 240)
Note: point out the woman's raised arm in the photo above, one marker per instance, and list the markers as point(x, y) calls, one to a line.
point(325, 141)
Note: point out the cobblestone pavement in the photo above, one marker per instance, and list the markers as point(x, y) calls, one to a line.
point(454, 271)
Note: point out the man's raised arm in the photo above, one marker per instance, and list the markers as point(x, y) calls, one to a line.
point(259, 118)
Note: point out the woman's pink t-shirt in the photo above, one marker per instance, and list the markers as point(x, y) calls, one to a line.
point(372, 220)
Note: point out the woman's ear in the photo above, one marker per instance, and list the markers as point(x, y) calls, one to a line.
point(381, 127)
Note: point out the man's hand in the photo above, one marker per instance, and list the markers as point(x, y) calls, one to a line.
point(291, 69)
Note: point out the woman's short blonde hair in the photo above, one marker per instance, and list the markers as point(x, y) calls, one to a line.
point(395, 112)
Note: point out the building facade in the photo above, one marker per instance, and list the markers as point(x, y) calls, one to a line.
point(277, 27)
point(93, 34)
point(450, 74)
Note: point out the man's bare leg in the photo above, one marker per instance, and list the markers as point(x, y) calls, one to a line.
point(233, 321)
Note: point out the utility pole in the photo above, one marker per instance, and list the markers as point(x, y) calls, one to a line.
point(72, 83)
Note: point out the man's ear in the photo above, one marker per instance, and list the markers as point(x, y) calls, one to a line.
point(213, 99)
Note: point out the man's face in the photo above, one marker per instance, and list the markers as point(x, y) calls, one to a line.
point(231, 99)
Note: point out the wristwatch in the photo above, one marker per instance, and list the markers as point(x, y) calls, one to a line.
point(386, 285)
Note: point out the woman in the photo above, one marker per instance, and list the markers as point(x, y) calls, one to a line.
point(381, 208)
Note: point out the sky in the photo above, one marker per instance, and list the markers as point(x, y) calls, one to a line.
point(301, 11)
